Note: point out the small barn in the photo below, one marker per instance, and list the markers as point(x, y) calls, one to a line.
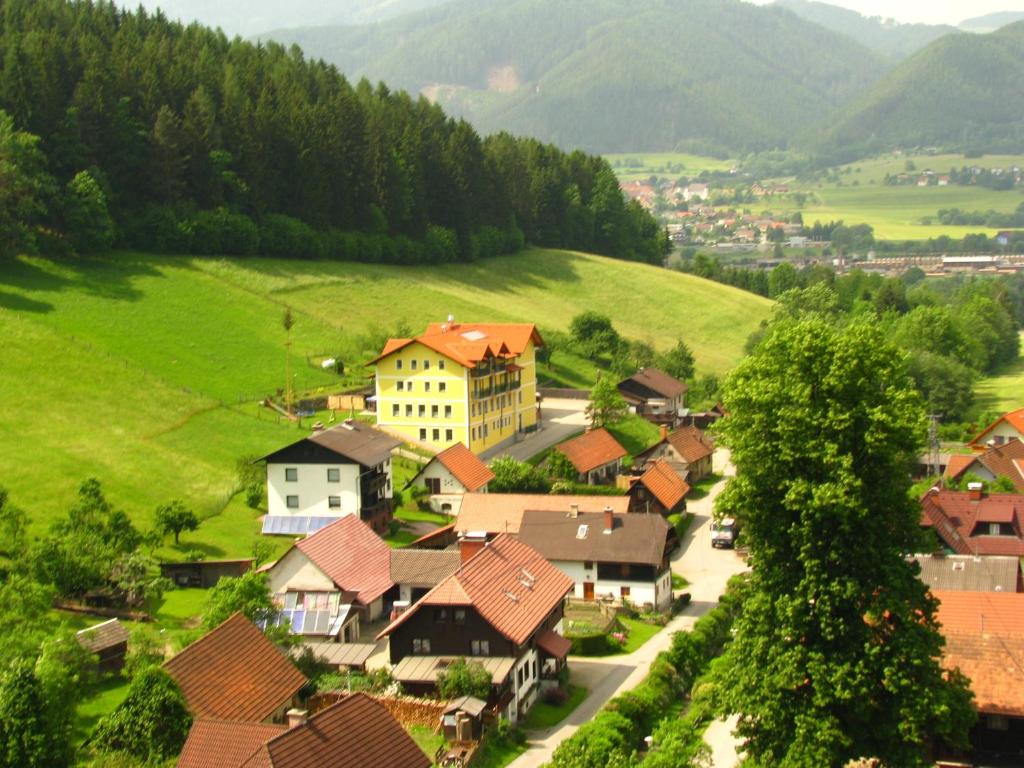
point(203, 573)
point(109, 641)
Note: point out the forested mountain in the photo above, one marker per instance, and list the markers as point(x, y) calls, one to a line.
point(124, 127)
point(991, 21)
point(254, 16)
point(610, 75)
point(963, 90)
point(885, 36)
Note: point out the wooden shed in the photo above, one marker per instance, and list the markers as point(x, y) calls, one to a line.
point(203, 573)
point(109, 641)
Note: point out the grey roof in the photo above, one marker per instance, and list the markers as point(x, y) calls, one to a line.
point(468, 704)
point(352, 440)
point(423, 567)
point(102, 636)
point(969, 573)
point(635, 538)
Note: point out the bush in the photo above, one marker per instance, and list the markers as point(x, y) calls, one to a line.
point(464, 678)
point(555, 697)
point(287, 238)
point(254, 495)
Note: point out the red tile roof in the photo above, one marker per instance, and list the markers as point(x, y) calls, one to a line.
point(357, 731)
point(958, 464)
point(465, 466)
point(962, 523)
point(352, 556)
point(509, 584)
point(1006, 460)
point(984, 634)
point(234, 672)
point(592, 449)
point(1014, 418)
point(663, 482)
point(224, 743)
point(470, 343)
point(691, 443)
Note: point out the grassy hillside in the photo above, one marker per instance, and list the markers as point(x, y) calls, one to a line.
point(1003, 391)
point(141, 370)
point(551, 70)
point(963, 90)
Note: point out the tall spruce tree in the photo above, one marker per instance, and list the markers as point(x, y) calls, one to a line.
point(836, 654)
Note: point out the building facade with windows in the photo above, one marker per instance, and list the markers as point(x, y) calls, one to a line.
point(345, 470)
point(469, 383)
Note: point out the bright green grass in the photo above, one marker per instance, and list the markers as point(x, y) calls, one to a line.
point(98, 700)
point(544, 715)
point(426, 739)
point(874, 169)
point(1003, 391)
point(179, 607)
point(130, 369)
point(497, 753)
point(639, 633)
point(635, 433)
point(657, 164)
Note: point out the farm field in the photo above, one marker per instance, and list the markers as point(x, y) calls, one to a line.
point(663, 164)
point(131, 369)
point(1003, 391)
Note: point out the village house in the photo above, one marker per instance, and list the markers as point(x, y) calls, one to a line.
point(356, 731)
point(469, 383)
point(328, 583)
point(1009, 426)
point(687, 450)
point(417, 571)
point(595, 455)
point(969, 573)
point(234, 672)
point(660, 490)
point(503, 608)
point(696, 192)
point(108, 641)
point(614, 558)
point(345, 470)
point(984, 633)
point(485, 515)
point(654, 395)
point(1005, 459)
point(453, 472)
point(973, 522)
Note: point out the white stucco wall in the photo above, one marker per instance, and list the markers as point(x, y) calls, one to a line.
point(313, 489)
point(1003, 430)
point(526, 663)
point(296, 571)
point(658, 593)
point(451, 489)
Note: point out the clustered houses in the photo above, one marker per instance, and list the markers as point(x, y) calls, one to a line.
point(469, 383)
point(1003, 459)
point(974, 522)
point(345, 470)
point(687, 450)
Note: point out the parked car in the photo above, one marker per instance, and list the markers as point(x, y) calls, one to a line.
point(724, 532)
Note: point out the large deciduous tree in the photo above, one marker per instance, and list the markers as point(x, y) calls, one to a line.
point(836, 654)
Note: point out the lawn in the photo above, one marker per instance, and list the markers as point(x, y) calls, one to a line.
point(635, 433)
point(669, 165)
point(544, 715)
point(426, 739)
point(98, 700)
point(130, 369)
point(639, 632)
point(700, 488)
point(1003, 391)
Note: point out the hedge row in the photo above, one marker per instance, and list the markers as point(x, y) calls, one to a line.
point(222, 232)
point(612, 738)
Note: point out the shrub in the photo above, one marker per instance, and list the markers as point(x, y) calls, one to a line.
point(464, 678)
point(556, 697)
point(254, 495)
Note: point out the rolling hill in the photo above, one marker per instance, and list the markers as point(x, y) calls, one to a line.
point(962, 90)
point(610, 75)
point(885, 36)
point(990, 22)
point(143, 371)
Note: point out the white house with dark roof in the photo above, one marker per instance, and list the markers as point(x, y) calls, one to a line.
point(345, 470)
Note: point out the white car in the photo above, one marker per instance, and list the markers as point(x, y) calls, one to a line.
point(724, 532)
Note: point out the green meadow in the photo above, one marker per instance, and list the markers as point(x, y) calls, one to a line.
point(144, 371)
point(663, 164)
point(1004, 390)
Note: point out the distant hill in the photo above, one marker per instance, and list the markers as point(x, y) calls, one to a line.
point(990, 22)
point(963, 90)
point(255, 16)
point(884, 36)
point(611, 75)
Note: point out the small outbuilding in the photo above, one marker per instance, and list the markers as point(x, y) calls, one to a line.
point(203, 573)
point(462, 720)
point(109, 641)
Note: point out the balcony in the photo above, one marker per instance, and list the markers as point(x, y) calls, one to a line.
point(515, 384)
point(484, 392)
point(480, 372)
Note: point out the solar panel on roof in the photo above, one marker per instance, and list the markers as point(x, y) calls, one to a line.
point(292, 525)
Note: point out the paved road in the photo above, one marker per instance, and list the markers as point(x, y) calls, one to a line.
point(706, 569)
point(559, 419)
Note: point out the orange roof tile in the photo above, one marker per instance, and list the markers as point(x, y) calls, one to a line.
point(1014, 418)
point(662, 481)
point(465, 466)
point(958, 464)
point(352, 556)
point(959, 521)
point(509, 584)
point(469, 343)
point(503, 512)
point(234, 672)
point(224, 743)
point(592, 449)
point(997, 613)
point(691, 443)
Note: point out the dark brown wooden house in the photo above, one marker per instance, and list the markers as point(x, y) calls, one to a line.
point(654, 395)
point(109, 641)
point(203, 573)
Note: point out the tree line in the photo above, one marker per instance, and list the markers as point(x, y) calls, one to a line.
point(123, 128)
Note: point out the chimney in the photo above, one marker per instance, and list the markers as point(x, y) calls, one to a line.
point(664, 432)
point(574, 510)
point(471, 543)
point(609, 519)
point(975, 490)
point(296, 717)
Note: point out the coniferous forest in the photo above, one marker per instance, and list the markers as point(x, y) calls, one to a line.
point(125, 129)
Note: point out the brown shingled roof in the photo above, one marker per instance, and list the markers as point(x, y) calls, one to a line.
point(663, 482)
point(101, 636)
point(510, 585)
point(423, 567)
point(658, 381)
point(635, 538)
point(352, 440)
point(465, 466)
point(224, 743)
point(235, 673)
point(592, 449)
point(352, 556)
point(1001, 460)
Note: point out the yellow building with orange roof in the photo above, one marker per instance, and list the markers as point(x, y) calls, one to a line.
point(469, 383)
